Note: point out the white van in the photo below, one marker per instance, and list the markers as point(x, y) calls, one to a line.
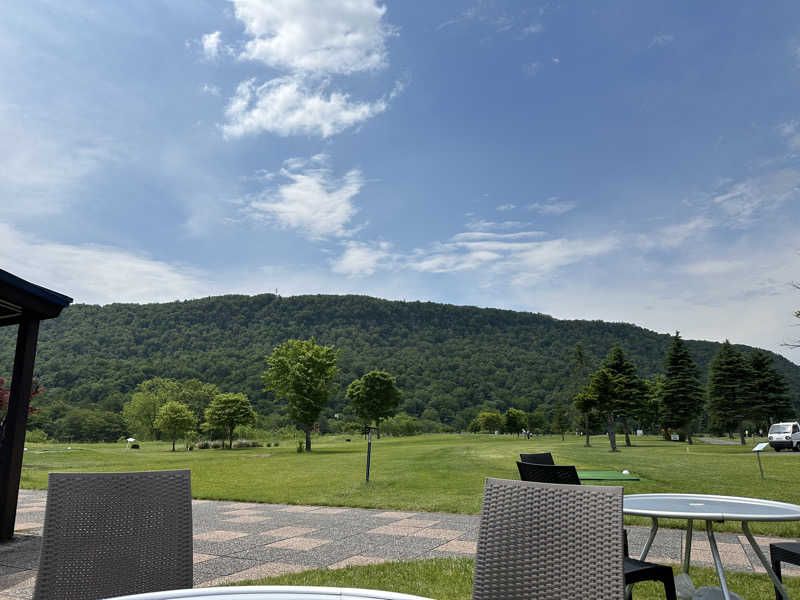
point(785, 435)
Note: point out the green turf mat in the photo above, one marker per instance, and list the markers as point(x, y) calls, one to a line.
point(607, 475)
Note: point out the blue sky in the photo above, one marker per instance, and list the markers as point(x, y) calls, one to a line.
point(623, 161)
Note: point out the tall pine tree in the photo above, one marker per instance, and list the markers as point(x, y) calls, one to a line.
point(631, 389)
point(729, 389)
point(681, 394)
point(770, 400)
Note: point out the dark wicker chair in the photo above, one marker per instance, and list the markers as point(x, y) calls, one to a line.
point(549, 542)
point(565, 474)
point(783, 552)
point(110, 534)
point(543, 458)
point(635, 570)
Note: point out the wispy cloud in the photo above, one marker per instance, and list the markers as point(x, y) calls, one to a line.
point(310, 199)
point(484, 225)
point(532, 29)
point(210, 89)
point(661, 39)
point(98, 274)
point(552, 206)
point(290, 106)
point(674, 236)
point(504, 207)
point(789, 130)
point(743, 202)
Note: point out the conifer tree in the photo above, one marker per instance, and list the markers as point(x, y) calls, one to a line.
point(681, 394)
point(729, 389)
point(769, 391)
point(631, 389)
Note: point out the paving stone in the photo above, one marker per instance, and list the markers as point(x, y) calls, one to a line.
point(198, 557)
point(332, 511)
point(247, 519)
point(395, 530)
point(458, 547)
point(219, 536)
point(225, 565)
point(439, 534)
point(394, 514)
point(299, 543)
point(354, 561)
point(298, 509)
point(414, 523)
point(287, 532)
point(242, 512)
point(270, 569)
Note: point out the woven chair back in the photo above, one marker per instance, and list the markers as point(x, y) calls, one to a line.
point(565, 474)
point(542, 458)
point(549, 542)
point(110, 534)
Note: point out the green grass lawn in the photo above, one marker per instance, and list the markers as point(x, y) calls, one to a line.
point(432, 472)
point(451, 579)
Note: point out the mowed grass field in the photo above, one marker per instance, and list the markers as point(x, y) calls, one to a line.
point(433, 472)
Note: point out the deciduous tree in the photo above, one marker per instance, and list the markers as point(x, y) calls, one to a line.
point(515, 420)
point(605, 388)
point(141, 411)
point(174, 420)
point(375, 397)
point(302, 372)
point(227, 411)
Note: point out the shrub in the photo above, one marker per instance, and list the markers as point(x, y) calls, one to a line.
point(256, 444)
point(241, 444)
point(203, 444)
point(276, 444)
point(216, 444)
point(134, 446)
point(299, 447)
point(35, 436)
point(269, 444)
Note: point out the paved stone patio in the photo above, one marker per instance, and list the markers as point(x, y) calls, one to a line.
point(234, 541)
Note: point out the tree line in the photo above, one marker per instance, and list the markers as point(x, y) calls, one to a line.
point(451, 362)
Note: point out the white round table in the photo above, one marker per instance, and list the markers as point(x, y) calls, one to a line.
point(272, 592)
point(711, 508)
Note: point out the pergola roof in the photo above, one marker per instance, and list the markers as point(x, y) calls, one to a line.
point(23, 303)
point(18, 296)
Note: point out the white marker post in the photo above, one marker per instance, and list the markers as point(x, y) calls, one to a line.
point(759, 448)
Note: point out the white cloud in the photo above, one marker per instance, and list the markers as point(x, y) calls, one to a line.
point(315, 36)
point(532, 29)
point(556, 60)
point(789, 130)
point(44, 167)
point(746, 201)
point(211, 43)
point(361, 259)
point(486, 235)
point(291, 106)
point(311, 199)
point(661, 39)
point(552, 206)
point(484, 225)
point(97, 274)
point(211, 90)
point(504, 207)
point(674, 236)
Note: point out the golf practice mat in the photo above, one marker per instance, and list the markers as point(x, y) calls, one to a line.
point(606, 475)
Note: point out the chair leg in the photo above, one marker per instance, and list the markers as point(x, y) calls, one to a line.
point(776, 566)
point(669, 588)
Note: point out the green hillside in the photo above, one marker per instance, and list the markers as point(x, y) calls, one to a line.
point(448, 358)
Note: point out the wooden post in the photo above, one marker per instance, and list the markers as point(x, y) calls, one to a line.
point(12, 437)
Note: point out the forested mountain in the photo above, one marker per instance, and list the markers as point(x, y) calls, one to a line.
point(451, 359)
